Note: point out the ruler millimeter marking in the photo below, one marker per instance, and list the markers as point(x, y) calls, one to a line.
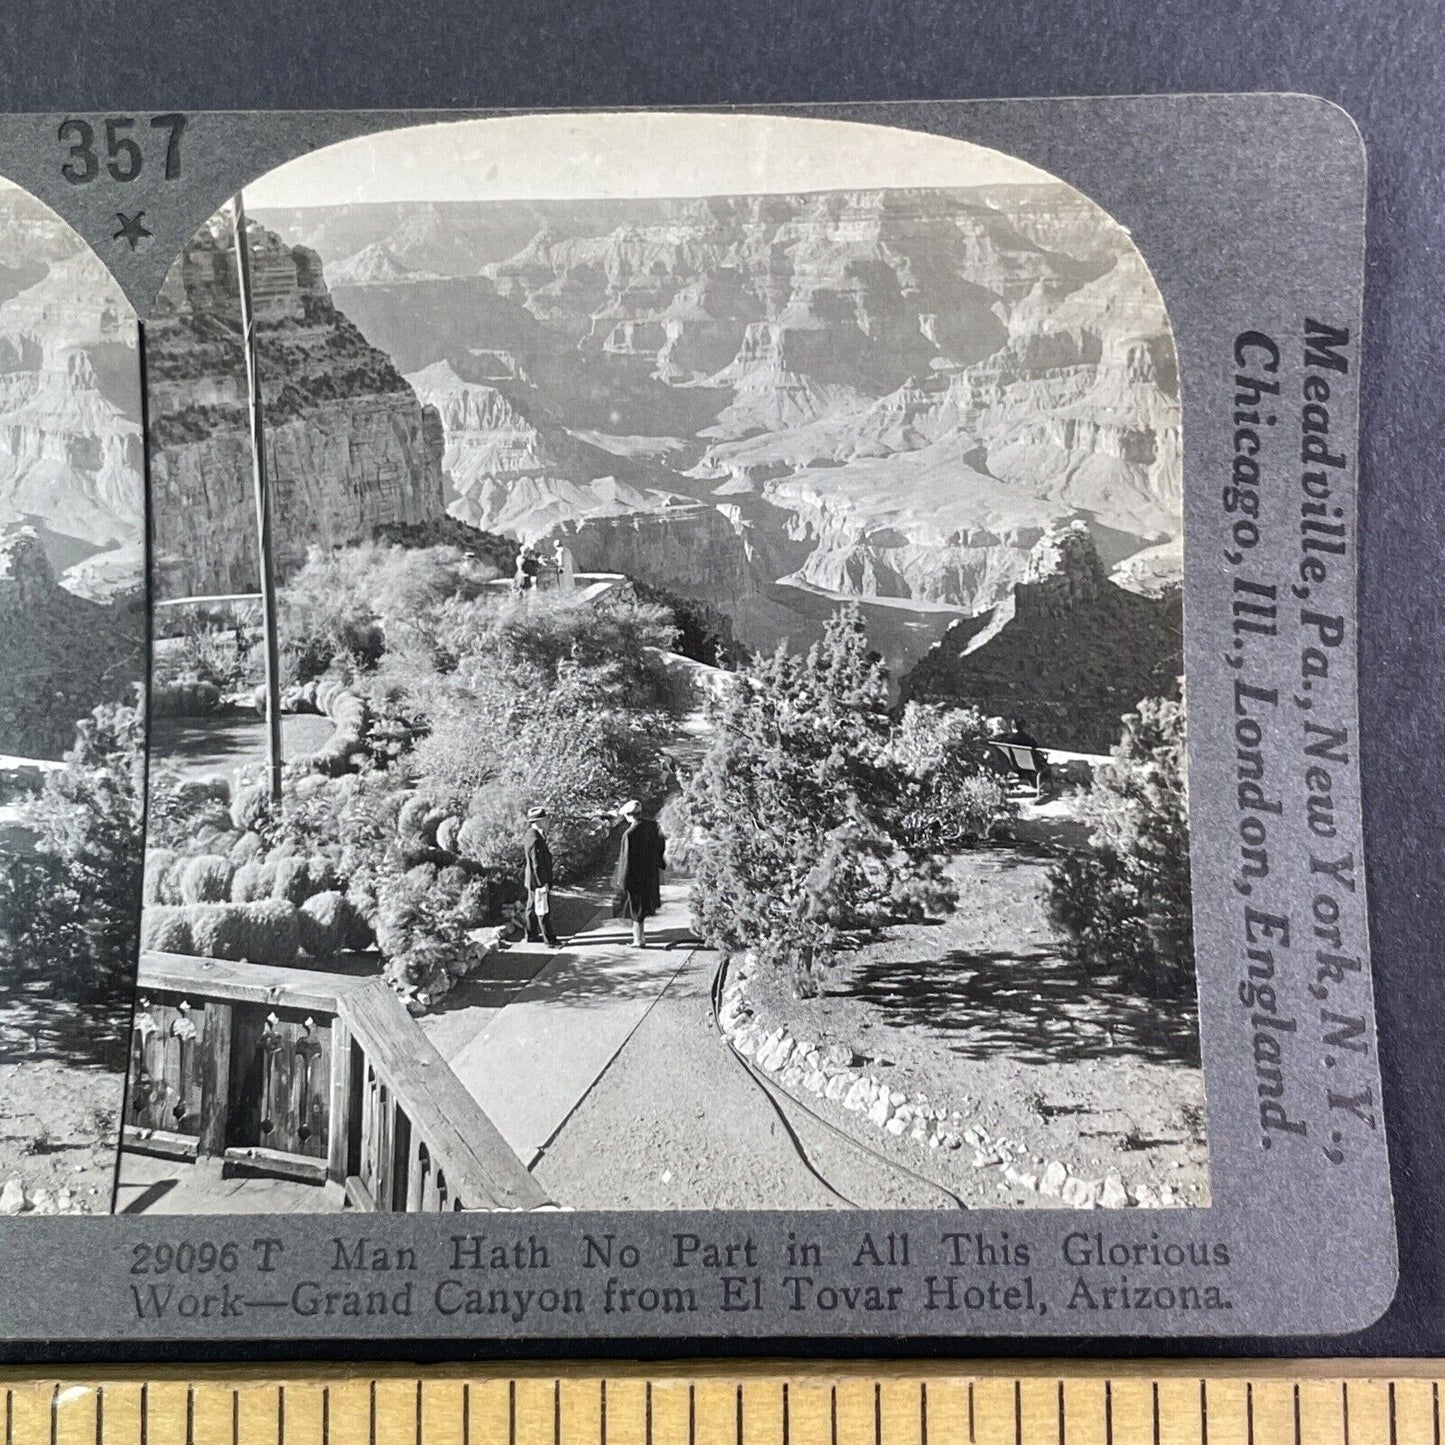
point(1248, 1403)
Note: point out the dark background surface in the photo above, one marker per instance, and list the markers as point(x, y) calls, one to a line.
point(1383, 60)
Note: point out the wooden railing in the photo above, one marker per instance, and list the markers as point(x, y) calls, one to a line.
point(314, 1076)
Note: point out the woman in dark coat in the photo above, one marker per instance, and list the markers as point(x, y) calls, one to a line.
point(639, 869)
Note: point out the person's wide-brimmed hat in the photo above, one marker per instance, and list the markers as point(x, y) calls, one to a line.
point(534, 813)
point(630, 809)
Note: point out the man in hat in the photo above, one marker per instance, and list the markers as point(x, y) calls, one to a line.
point(537, 876)
point(639, 871)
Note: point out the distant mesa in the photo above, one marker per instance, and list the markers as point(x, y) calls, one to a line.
point(60, 655)
point(1069, 650)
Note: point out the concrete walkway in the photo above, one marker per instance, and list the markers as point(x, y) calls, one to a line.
point(537, 1057)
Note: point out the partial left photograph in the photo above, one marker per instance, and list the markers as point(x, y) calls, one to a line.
point(72, 721)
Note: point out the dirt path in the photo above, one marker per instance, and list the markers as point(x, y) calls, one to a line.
point(676, 1123)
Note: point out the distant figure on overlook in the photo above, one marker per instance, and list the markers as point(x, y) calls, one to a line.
point(565, 564)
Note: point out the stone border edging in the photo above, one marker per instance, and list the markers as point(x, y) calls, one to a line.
point(836, 1074)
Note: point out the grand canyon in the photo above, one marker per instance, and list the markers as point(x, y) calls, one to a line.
point(765, 403)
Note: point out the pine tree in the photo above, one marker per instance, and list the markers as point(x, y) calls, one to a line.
point(799, 809)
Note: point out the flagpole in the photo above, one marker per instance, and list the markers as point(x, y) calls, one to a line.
point(263, 508)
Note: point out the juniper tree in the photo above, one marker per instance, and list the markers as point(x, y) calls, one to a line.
point(69, 915)
point(1124, 902)
point(798, 809)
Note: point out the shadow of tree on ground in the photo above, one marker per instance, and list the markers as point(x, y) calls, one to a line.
point(1027, 1003)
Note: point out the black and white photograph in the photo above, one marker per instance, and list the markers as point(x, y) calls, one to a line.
point(72, 725)
point(666, 683)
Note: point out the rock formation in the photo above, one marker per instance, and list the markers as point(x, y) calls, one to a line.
point(60, 655)
point(1069, 651)
point(349, 447)
point(70, 443)
point(886, 394)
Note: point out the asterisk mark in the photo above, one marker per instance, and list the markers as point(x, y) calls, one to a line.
point(130, 229)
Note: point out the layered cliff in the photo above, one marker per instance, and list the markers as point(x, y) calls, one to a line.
point(349, 447)
point(1068, 650)
point(886, 394)
point(70, 442)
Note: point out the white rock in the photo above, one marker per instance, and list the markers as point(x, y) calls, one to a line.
point(12, 1197)
point(897, 1098)
point(896, 1125)
point(878, 1112)
point(816, 1082)
point(1054, 1177)
point(1114, 1195)
point(1145, 1197)
point(972, 1136)
point(838, 1086)
point(985, 1159)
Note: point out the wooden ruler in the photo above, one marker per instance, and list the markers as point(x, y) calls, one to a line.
point(1148, 1403)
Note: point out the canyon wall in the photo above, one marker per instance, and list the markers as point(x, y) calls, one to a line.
point(70, 442)
point(887, 394)
point(349, 447)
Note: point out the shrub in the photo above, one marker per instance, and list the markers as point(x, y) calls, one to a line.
point(206, 879)
point(157, 864)
point(185, 697)
point(261, 932)
point(246, 848)
point(1124, 904)
point(216, 930)
point(956, 791)
point(165, 930)
point(68, 916)
point(251, 808)
point(325, 924)
point(252, 881)
point(292, 880)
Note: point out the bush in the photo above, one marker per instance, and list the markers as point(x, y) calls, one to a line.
point(1124, 905)
point(165, 930)
point(69, 917)
point(251, 808)
point(206, 879)
point(957, 793)
point(325, 924)
point(157, 865)
point(185, 697)
point(253, 881)
point(263, 932)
